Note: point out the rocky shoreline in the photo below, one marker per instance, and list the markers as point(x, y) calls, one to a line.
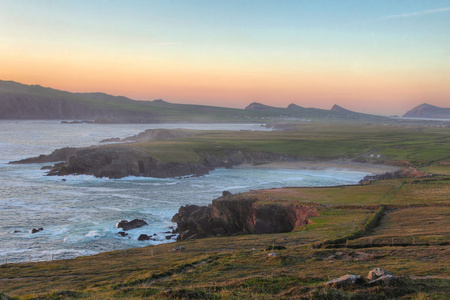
point(231, 215)
point(116, 161)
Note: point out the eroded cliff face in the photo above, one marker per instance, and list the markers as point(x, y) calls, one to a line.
point(229, 215)
point(120, 161)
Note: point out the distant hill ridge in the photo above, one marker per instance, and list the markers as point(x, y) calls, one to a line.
point(428, 111)
point(20, 101)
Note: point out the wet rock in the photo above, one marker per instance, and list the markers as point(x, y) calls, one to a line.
point(344, 281)
point(122, 233)
point(143, 237)
point(136, 223)
point(168, 237)
point(35, 230)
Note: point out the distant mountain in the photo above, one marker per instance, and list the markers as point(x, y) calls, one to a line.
point(294, 106)
point(22, 102)
point(259, 106)
point(428, 111)
point(340, 109)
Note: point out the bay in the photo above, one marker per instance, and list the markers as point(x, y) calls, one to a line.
point(79, 215)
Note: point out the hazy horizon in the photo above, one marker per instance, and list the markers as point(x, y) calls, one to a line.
point(377, 57)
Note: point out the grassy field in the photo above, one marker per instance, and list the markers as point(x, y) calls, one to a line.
point(424, 147)
point(401, 225)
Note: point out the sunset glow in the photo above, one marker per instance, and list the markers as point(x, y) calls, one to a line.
point(380, 57)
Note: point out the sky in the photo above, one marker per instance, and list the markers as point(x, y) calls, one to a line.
point(380, 57)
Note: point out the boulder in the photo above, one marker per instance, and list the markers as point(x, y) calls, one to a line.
point(34, 230)
point(384, 280)
point(136, 223)
point(143, 237)
point(379, 276)
point(377, 273)
point(122, 233)
point(344, 281)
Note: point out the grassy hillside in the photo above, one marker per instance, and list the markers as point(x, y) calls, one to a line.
point(421, 146)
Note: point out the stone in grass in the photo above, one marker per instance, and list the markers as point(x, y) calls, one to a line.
point(273, 254)
point(136, 223)
point(379, 276)
point(377, 273)
point(344, 281)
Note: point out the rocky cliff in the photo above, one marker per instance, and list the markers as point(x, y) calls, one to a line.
point(229, 215)
point(121, 160)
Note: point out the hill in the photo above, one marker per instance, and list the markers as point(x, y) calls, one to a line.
point(428, 111)
point(21, 102)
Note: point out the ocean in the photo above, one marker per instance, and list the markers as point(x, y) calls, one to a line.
point(79, 214)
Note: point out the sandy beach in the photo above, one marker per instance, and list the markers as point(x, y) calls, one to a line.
point(323, 165)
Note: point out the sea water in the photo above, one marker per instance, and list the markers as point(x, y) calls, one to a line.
point(79, 213)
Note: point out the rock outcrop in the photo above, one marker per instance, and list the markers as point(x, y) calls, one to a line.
point(35, 230)
point(118, 161)
point(136, 223)
point(233, 215)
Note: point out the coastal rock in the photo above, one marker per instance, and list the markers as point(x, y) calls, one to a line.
point(143, 237)
point(62, 154)
point(226, 194)
point(122, 233)
point(116, 161)
point(35, 230)
point(136, 223)
point(229, 216)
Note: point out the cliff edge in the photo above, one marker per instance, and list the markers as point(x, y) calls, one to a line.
point(230, 215)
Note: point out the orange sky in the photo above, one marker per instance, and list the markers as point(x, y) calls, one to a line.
point(385, 60)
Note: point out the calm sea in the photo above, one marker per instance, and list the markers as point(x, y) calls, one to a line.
point(79, 215)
